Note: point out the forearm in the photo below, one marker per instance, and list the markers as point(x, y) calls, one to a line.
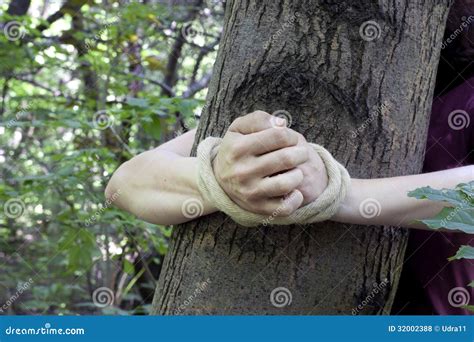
point(156, 186)
point(388, 197)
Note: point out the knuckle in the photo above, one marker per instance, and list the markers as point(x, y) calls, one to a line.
point(260, 114)
point(283, 185)
point(240, 174)
point(249, 194)
point(287, 159)
point(238, 149)
point(298, 176)
point(281, 136)
point(235, 124)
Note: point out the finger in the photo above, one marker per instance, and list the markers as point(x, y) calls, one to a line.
point(271, 139)
point(252, 123)
point(281, 184)
point(282, 207)
point(292, 202)
point(278, 161)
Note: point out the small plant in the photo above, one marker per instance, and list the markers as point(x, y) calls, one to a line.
point(459, 216)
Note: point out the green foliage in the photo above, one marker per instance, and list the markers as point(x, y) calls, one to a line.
point(78, 97)
point(459, 215)
point(465, 252)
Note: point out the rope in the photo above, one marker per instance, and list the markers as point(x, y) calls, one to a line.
point(322, 209)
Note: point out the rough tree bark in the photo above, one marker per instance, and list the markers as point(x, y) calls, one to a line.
point(356, 77)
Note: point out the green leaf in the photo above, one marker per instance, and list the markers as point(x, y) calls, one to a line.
point(468, 190)
point(128, 267)
point(453, 219)
point(455, 197)
point(465, 252)
point(153, 128)
point(135, 102)
point(469, 307)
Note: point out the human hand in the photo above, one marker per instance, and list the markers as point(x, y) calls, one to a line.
point(315, 178)
point(261, 162)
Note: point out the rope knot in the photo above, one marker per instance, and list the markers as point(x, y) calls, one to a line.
point(322, 209)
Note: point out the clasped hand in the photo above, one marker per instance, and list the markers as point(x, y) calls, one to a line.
point(266, 167)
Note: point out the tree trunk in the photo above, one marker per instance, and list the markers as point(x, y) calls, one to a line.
point(354, 76)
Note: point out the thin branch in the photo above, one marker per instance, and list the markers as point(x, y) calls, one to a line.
point(155, 82)
point(197, 86)
point(203, 53)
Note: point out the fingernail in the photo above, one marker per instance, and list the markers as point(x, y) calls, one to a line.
point(280, 122)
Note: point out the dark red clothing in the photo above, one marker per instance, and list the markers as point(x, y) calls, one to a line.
point(428, 277)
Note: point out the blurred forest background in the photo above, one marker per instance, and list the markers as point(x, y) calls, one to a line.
point(84, 86)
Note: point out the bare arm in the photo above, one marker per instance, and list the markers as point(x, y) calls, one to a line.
point(384, 201)
point(155, 185)
point(257, 165)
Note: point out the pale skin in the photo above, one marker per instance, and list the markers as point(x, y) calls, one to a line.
point(260, 163)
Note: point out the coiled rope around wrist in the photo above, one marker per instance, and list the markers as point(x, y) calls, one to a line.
point(323, 208)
